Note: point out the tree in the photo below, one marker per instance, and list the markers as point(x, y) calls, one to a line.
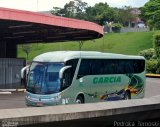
point(125, 15)
point(73, 9)
point(151, 13)
point(55, 10)
point(90, 14)
point(80, 9)
point(100, 13)
point(103, 13)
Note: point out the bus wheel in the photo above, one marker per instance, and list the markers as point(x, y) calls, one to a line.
point(79, 100)
point(127, 95)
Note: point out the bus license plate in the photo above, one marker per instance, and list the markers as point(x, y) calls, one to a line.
point(39, 104)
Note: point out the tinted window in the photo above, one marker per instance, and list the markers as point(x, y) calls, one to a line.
point(85, 68)
point(110, 66)
point(97, 66)
point(72, 63)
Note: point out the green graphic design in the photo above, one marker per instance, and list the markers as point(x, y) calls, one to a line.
point(135, 86)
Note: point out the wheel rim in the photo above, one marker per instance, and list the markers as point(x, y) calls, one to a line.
point(78, 101)
point(126, 96)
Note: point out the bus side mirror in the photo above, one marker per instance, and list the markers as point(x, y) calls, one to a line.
point(24, 71)
point(61, 72)
point(61, 75)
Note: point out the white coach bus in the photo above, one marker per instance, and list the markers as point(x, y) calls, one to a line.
point(67, 77)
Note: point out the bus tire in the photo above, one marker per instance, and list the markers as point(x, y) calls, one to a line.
point(79, 100)
point(127, 95)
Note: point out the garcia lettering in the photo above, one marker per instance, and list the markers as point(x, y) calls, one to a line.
point(102, 80)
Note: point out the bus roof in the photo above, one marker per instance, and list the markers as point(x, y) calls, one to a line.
point(62, 56)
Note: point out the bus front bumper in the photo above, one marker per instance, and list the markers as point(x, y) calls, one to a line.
point(42, 100)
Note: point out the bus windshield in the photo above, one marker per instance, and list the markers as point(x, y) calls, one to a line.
point(43, 78)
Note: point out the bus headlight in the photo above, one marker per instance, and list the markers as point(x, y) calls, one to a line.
point(56, 98)
point(53, 98)
point(28, 97)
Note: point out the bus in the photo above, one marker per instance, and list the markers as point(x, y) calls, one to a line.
point(68, 77)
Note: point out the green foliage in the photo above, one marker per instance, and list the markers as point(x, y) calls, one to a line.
point(158, 67)
point(73, 9)
point(103, 13)
point(125, 15)
point(153, 55)
point(148, 53)
point(151, 13)
point(151, 66)
point(56, 10)
point(100, 13)
point(151, 60)
point(116, 27)
point(156, 43)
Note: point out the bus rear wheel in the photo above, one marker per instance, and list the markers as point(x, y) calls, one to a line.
point(127, 95)
point(79, 100)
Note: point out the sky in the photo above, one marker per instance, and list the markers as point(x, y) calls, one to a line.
point(46, 5)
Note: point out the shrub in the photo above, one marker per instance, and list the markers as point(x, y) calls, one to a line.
point(151, 66)
point(156, 43)
point(158, 67)
point(148, 54)
point(116, 27)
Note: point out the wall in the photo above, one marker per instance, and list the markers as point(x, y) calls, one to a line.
point(10, 69)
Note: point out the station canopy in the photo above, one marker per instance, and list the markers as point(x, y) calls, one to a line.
point(32, 27)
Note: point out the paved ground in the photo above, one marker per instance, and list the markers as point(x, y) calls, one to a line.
point(18, 100)
point(152, 87)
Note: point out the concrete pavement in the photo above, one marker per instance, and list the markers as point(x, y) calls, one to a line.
point(104, 113)
point(17, 99)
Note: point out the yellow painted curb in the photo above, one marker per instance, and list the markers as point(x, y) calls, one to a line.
point(153, 75)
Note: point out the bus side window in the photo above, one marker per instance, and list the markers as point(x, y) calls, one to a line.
point(72, 63)
point(97, 67)
point(121, 66)
point(139, 66)
point(67, 78)
point(84, 69)
point(107, 68)
point(110, 66)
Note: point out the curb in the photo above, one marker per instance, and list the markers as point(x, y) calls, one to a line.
point(20, 90)
point(153, 75)
point(3, 91)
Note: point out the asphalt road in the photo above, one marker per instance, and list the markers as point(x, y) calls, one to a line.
point(17, 100)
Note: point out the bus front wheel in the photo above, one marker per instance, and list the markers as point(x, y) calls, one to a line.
point(79, 100)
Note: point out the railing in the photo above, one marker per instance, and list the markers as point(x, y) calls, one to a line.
point(124, 30)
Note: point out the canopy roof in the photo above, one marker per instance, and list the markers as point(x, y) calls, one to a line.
point(29, 27)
